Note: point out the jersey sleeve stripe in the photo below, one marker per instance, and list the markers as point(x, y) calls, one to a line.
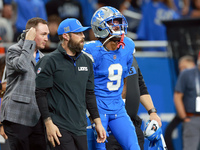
point(89, 55)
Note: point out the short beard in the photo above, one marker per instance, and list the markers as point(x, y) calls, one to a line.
point(74, 47)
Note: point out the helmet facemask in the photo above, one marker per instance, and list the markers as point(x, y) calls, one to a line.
point(101, 19)
point(116, 27)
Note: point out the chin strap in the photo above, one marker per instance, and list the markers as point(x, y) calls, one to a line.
point(121, 43)
point(108, 39)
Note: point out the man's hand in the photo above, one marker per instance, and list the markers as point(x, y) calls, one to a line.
point(3, 133)
point(101, 133)
point(31, 34)
point(52, 132)
point(154, 116)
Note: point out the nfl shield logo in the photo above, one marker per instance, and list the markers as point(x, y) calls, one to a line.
point(114, 56)
point(38, 71)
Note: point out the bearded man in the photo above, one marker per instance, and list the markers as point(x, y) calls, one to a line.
point(65, 88)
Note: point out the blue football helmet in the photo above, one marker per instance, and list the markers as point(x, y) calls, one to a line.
point(100, 20)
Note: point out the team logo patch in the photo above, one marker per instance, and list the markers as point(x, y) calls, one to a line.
point(66, 29)
point(82, 69)
point(39, 70)
point(78, 23)
point(114, 57)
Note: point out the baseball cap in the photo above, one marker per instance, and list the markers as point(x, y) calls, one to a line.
point(71, 25)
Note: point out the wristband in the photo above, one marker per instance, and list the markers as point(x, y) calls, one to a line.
point(152, 110)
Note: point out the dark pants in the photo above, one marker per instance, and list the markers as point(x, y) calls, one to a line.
point(168, 131)
point(70, 141)
point(22, 137)
point(114, 145)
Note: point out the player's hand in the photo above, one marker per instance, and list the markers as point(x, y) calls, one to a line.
point(154, 116)
point(3, 133)
point(101, 133)
point(52, 132)
point(31, 34)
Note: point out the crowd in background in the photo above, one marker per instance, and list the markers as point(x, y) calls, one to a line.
point(147, 26)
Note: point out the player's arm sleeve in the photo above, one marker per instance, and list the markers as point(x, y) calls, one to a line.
point(92, 104)
point(42, 102)
point(129, 65)
point(142, 85)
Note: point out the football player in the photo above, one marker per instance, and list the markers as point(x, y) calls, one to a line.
point(112, 56)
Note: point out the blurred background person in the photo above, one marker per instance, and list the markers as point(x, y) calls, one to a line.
point(25, 10)
point(191, 8)
point(185, 62)
point(187, 102)
point(6, 29)
point(80, 9)
point(151, 27)
point(115, 4)
point(53, 23)
point(195, 12)
point(88, 9)
point(65, 9)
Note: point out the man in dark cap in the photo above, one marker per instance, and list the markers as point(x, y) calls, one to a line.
point(65, 88)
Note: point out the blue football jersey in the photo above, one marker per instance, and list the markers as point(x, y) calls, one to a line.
point(110, 69)
point(151, 27)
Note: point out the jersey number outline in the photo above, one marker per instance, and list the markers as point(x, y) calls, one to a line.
point(114, 77)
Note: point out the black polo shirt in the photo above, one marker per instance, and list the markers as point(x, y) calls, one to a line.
point(68, 80)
